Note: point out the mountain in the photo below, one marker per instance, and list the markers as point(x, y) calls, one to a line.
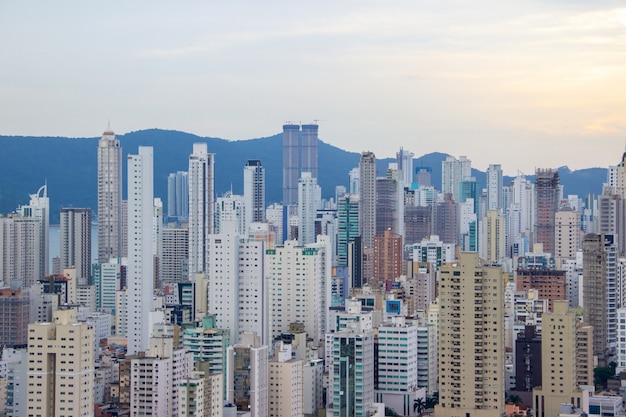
point(69, 167)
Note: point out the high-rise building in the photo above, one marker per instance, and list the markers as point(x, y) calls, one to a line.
point(174, 254)
point(390, 203)
point(559, 367)
point(352, 374)
point(367, 198)
point(20, 251)
point(201, 186)
point(405, 164)
point(348, 225)
point(238, 294)
point(453, 171)
point(445, 220)
point(108, 278)
point(299, 155)
point(471, 339)
point(178, 195)
point(388, 253)
point(600, 292)
point(75, 237)
point(494, 187)
point(230, 210)
point(109, 197)
point(61, 367)
point(140, 272)
point(308, 150)
point(309, 196)
point(567, 233)
point(286, 383)
point(397, 364)
point(299, 278)
point(254, 192)
point(493, 237)
point(547, 197)
point(14, 316)
point(39, 209)
point(247, 377)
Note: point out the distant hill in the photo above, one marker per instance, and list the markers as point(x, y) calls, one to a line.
point(68, 165)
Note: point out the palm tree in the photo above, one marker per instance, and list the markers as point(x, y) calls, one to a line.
point(432, 401)
point(419, 406)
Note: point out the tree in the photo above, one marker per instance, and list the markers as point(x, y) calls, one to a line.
point(602, 373)
point(419, 405)
point(432, 401)
point(514, 399)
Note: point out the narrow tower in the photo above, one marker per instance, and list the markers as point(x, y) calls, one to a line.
point(109, 197)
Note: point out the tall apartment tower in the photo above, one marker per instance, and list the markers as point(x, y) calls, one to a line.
point(299, 155)
point(405, 164)
point(140, 272)
point(201, 191)
point(559, 363)
point(75, 237)
point(299, 278)
point(566, 232)
point(547, 193)
point(247, 376)
point(453, 171)
point(178, 195)
point(367, 198)
point(348, 225)
point(39, 209)
point(309, 196)
point(254, 191)
point(109, 197)
point(599, 292)
point(20, 251)
point(61, 367)
point(388, 253)
point(493, 237)
point(471, 339)
point(494, 187)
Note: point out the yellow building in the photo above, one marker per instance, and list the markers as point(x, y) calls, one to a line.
point(60, 367)
point(471, 339)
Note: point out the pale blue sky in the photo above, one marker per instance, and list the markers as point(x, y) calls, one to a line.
point(522, 83)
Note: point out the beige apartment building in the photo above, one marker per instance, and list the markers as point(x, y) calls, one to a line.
point(60, 367)
point(471, 339)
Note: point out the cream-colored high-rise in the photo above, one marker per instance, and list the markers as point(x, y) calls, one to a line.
point(559, 363)
point(471, 339)
point(60, 367)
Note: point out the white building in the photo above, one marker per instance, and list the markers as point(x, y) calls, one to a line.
point(230, 209)
point(109, 197)
point(309, 196)
point(453, 171)
point(494, 187)
point(254, 192)
point(20, 251)
point(201, 195)
point(299, 278)
point(140, 272)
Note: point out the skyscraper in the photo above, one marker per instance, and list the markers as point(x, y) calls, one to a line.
point(405, 164)
point(75, 237)
point(309, 195)
point(254, 192)
point(178, 195)
point(599, 292)
point(453, 171)
point(348, 225)
point(39, 209)
point(547, 202)
point(299, 155)
point(109, 197)
point(471, 339)
point(494, 187)
point(201, 186)
point(140, 272)
point(367, 198)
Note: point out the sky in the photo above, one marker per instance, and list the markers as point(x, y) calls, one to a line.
point(524, 84)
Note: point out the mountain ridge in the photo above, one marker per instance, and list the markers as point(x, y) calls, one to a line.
point(69, 166)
